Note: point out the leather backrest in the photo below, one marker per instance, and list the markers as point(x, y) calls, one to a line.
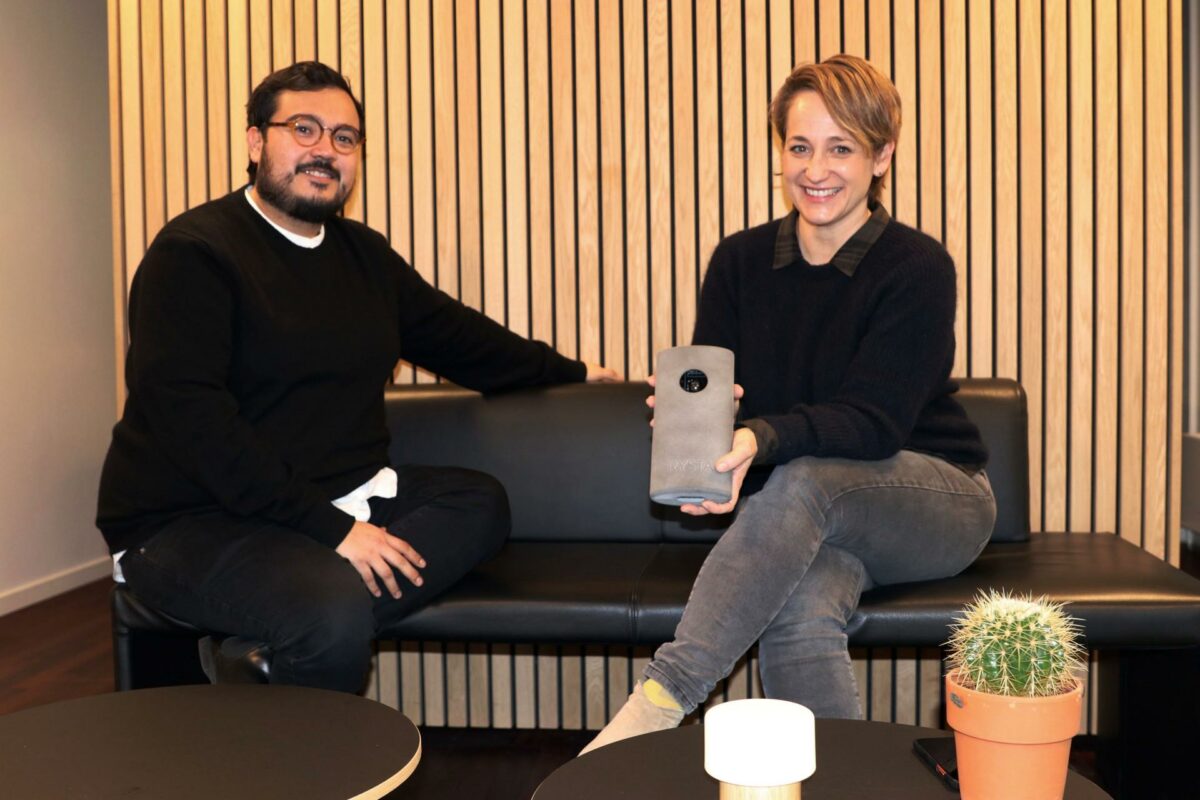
point(997, 406)
point(576, 459)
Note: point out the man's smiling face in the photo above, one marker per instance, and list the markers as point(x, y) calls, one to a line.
point(305, 184)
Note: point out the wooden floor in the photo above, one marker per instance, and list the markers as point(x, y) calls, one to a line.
point(61, 649)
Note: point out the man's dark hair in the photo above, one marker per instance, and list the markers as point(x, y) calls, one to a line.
point(305, 76)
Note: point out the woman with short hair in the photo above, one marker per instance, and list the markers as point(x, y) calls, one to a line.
point(853, 465)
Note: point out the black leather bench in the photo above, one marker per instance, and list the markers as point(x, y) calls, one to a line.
point(593, 561)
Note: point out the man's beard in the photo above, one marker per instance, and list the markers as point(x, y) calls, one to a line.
point(305, 209)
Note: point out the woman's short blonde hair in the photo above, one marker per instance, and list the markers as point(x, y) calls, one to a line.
point(860, 100)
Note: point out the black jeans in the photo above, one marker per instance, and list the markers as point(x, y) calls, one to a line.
point(262, 581)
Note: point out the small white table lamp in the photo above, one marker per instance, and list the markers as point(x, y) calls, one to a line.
point(760, 749)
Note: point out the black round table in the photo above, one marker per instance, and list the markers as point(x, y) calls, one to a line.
point(854, 759)
point(228, 741)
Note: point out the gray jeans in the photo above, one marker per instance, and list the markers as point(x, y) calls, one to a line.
point(789, 571)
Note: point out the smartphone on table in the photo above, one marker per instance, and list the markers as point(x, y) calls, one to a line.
point(938, 754)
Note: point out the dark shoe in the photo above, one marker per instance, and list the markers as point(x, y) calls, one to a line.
point(235, 660)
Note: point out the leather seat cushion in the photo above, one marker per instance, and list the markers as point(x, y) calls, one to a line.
point(596, 593)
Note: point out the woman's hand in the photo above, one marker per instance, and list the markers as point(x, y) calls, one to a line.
point(738, 459)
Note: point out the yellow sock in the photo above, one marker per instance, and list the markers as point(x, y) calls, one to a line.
point(657, 694)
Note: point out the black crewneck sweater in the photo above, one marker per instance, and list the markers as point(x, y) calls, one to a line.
point(256, 371)
point(842, 365)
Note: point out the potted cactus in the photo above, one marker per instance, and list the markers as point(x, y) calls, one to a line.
point(1013, 696)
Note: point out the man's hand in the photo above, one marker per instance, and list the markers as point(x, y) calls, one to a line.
point(738, 391)
point(600, 374)
point(376, 553)
point(745, 446)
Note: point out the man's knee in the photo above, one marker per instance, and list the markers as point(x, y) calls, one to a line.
point(485, 501)
point(327, 642)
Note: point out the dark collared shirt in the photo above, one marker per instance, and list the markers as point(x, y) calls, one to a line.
point(848, 256)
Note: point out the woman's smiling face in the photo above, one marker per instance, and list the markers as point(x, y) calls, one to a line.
point(826, 171)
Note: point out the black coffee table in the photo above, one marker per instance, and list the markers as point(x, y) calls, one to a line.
point(854, 759)
point(228, 741)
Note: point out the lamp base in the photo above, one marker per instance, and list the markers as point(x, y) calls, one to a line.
point(733, 791)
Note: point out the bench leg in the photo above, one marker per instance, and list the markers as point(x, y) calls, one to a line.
point(145, 660)
point(1150, 717)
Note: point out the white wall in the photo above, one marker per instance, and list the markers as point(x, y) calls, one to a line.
point(57, 371)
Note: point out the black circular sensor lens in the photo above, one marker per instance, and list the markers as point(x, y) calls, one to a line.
point(693, 380)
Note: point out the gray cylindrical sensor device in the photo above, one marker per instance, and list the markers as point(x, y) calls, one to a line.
point(693, 425)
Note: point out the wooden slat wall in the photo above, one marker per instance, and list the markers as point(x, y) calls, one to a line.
point(567, 167)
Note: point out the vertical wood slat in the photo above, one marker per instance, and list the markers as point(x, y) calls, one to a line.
point(829, 28)
point(659, 123)
point(216, 100)
point(374, 165)
point(708, 154)
point(194, 91)
point(516, 162)
point(467, 136)
point(486, 134)
point(133, 205)
point(926, 123)
point(351, 65)
point(854, 27)
point(281, 33)
point(563, 155)
point(733, 117)
point(903, 177)
point(1006, 192)
point(424, 235)
point(237, 21)
point(610, 68)
point(804, 31)
point(979, 186)
point(635, 225)
point(1082, 237)
point(694, 185)
point(541, 189)
point(116, 147)
point(1177, 286)
point(445, 229)
point(153, 166)
point(1055, 176)
point(1132, 322)
point(304, 29)
point(588, 182)
point(956, 167)
point(1031, 233)
point(779, 31)
point(1108, 269)
point(260, 40)
point(492, 159)
point(398, 144)
point(758, 97)
point(328, 44)
point(1157, 281)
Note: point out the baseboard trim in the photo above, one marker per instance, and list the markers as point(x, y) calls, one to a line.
point(53, 585)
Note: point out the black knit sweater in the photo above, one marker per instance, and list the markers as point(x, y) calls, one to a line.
point(837, 365)
point(256, 371)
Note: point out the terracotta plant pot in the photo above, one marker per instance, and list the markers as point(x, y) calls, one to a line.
point(1010, 747)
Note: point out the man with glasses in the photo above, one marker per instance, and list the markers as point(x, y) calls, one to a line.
point(247, 489)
